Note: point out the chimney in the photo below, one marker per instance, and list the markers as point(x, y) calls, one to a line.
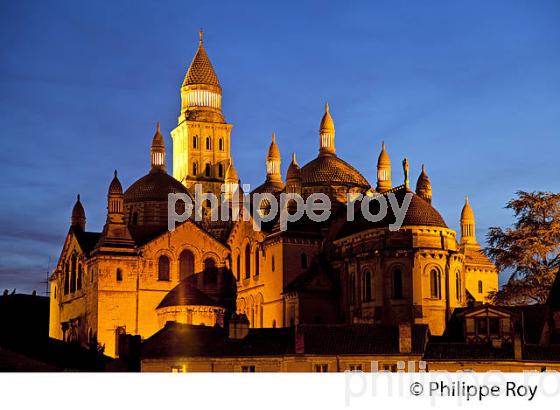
point(405, 337)
point(238, 326)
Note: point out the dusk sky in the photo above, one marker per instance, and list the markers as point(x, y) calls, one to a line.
point(471, 89)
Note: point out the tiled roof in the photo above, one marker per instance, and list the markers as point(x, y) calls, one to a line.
point(358, 339)
point(178, 340)
point(268, 187)
point(186, 294)
point(87, 240)
point(330, 170)
point(153, 187)
point(419, 213)
point(201, 70)
point(467, 351)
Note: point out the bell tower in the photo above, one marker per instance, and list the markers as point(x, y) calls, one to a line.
point(201, 140)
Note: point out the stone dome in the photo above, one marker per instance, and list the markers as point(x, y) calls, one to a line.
point(419, 213)
point(153, 187)
point(330, 170)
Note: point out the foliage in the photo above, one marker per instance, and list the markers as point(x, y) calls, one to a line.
point(530, 249)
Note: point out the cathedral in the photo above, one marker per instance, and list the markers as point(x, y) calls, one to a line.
point(136, 275)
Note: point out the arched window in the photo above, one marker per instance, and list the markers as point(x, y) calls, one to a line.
point(186, 264)
point(195, 168)
point(272, 263)
point(119, 274)
point(79, 279)
point(303, 261)
point(221, 144)
point(458, 285)
point(238, 267)
point(55, 292)
point(73, 275)
point(257, 263)
point(247, 261)
point(209, 264)
point(435, 284)
point(66, 279)
point(163, 268)
point(352, 293)
point(220, 170)
point(207, 170)
point(135, 218)
point(195, 141)
point(397, 284)
point(366, 284)
point(208, 143)
point(479, 286)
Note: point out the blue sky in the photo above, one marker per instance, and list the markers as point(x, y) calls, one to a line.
point(471, 89)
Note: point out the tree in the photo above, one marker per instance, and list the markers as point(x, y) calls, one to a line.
point(530, 249)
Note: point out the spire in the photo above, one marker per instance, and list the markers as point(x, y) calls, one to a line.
point(201, 70)
point(273, 161)
point(326, 133)
point(157, 152)
point(293, 177)
point(231, 183)
point(78, 218)
point(424, 186)
point(115, 201)
point(468, 233)
point(115, 236)
point(383, 170)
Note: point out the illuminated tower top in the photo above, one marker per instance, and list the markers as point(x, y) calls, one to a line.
point(468, 233)
point(201, 88)
point(326, 133)
point(157, 152)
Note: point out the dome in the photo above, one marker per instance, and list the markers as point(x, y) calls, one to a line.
point(330, 170)
point(201, 70)
point(467, 213)
point(294, 171)
point(383, 157)
point(115, 187)
point(419, 213)
point(153, 187)
point(273, 151)
point(269, 187)
point(327, 124)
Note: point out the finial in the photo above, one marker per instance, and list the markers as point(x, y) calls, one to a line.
point(115, 173)
point(327, 106)
point(423, 170)
point(78, 198)
point(273, 137)
point(200, 35)
point(158, 128)
point(466, 199)
point(294, 157)
point(383, 145)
